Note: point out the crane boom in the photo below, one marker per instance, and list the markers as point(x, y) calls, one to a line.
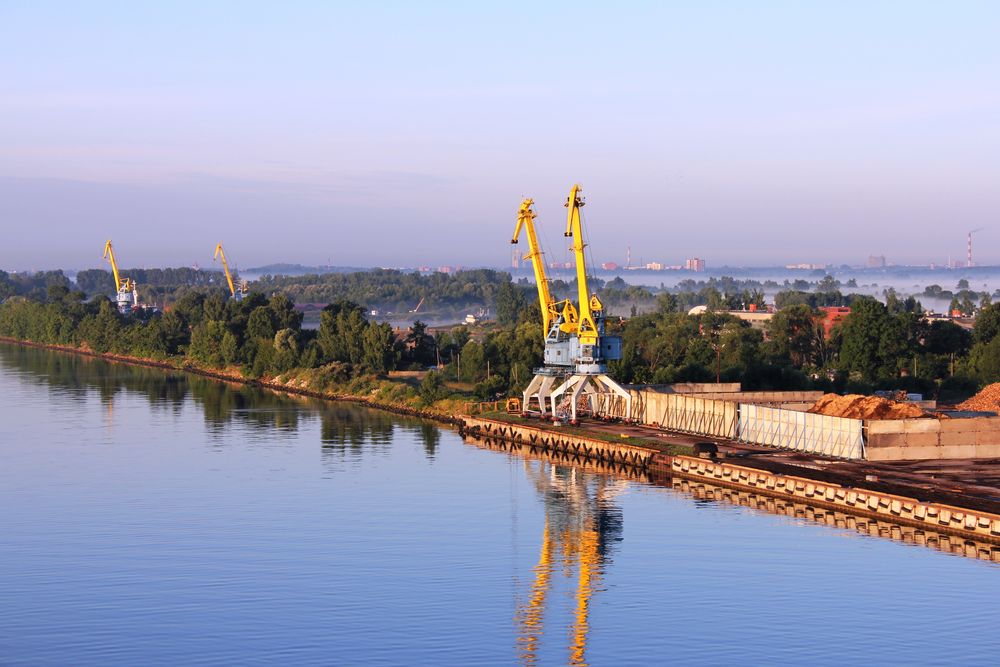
point(526, 221)
point(587, 327)
point(563, 312)
point(109, 254)
point(219, 252)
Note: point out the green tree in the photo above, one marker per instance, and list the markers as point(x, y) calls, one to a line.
point(420, 345)
point(791, 334)
point(874, 343)
point(286, 350)
point(229, 348)
point(261, 323)
point(987, 324)
point(432, 387)
point(378, 342)
point(510, 302)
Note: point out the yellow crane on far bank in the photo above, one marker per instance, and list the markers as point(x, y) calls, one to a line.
point(127, 295)
point(235, 293)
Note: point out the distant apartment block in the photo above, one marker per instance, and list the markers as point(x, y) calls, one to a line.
point(807, 267)
point(610, 266)
point(654, 266)
point(876, 261)
point(694, 264)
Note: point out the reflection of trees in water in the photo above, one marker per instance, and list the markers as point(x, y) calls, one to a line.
point(427, 434)
point(430, 437)
point(223, 403)
point(345, 427)
point(75, 376)
point(581, 524)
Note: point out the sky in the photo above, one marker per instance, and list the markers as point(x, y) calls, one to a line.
point(406, 134)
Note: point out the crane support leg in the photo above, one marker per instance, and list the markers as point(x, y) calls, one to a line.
point(539, 389)
point(592, 385)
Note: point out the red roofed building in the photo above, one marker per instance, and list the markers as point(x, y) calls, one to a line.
point(831, 316)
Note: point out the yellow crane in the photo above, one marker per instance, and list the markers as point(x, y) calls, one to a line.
point(109, 255)
point(590, 305)
point(576, 347)
point(552, 310)
point(236, 294)
point(126, 293)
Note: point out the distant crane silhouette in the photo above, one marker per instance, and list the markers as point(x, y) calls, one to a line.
point(968, 259)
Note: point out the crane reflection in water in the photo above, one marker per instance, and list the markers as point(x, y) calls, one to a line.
point(581, 525)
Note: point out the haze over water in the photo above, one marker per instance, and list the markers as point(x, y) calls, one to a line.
point(154, 518)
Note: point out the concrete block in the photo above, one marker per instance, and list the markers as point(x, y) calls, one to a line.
point(987, 437)
point(921, 426)
point(922, 439)
point(906, 453)
point(886, 439)
point(986, 452)
point(958, 452)
point(884, 425)
point(948, 438)
point(956, 425)
point(884, 453)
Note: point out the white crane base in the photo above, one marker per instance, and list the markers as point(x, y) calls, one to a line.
point(590, 385)
point(539, 389)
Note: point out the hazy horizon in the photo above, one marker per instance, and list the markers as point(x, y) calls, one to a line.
point(406, 135)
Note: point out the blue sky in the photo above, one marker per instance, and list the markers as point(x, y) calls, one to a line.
point(407, 133)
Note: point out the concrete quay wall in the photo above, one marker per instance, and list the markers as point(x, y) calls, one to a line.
point(940, 518)
point(549, 440)
point(777, 419)
point(918, 439)
point(929, 516)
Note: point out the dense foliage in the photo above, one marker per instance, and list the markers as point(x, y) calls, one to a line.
point(889, 345)
point(393, 290)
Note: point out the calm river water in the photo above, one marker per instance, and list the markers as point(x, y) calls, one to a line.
point(154, 518)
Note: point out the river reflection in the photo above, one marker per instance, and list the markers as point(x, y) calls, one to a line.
point(155, 517)
point(581, 525)
point(880, 528)
point(344, 427)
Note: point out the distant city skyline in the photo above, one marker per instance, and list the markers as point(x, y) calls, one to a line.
point(360, 134)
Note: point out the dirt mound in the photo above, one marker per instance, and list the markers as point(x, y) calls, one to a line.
point(988, 400)
point(857, 406)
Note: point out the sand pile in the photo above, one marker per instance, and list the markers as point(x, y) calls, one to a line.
point(988, 400)
point(856, 406)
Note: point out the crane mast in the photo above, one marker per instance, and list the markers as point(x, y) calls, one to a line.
point(236, 294)
point(554, 312)
point(219, 252)
point(109, 255)
point(587, 328)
